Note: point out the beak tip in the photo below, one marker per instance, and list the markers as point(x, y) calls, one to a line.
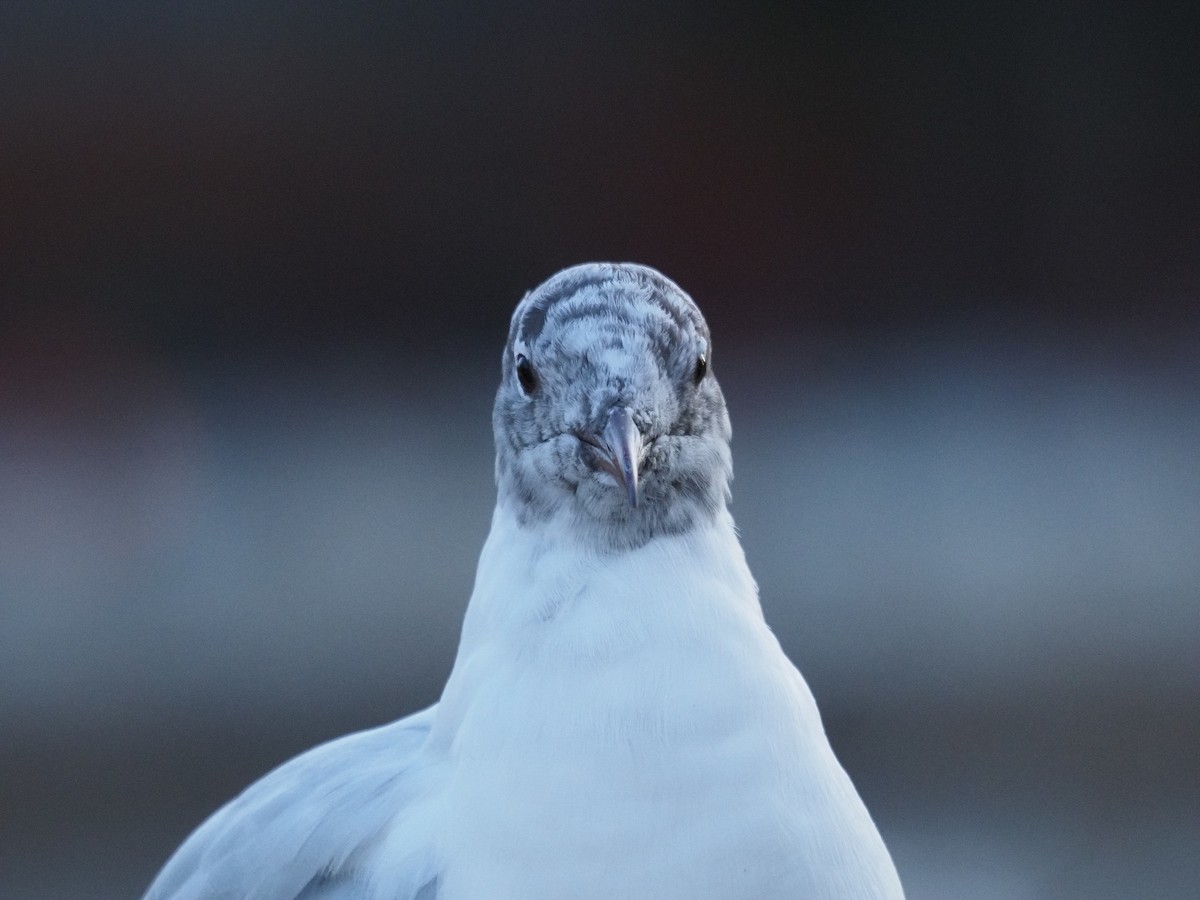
point(623, 441)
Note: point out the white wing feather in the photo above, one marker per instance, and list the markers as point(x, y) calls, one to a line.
point(306, 829)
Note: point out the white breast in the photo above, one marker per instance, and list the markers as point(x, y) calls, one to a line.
point(629, 724)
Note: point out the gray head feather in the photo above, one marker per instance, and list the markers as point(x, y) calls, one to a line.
point(590, 339)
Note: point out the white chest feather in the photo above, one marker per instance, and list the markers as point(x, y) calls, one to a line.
point(627, 726)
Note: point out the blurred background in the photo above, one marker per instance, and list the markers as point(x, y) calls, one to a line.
point(256, 267)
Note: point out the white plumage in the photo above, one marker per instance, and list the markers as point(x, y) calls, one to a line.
point(620, 722)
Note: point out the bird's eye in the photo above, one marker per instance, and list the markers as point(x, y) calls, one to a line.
point(701, 368)
point(525, 374)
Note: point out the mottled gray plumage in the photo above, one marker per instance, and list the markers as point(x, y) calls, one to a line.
point(602, 336)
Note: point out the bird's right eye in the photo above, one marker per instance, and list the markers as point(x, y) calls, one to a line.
point(526, 375)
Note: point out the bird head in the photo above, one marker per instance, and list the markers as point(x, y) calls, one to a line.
point(608, 414)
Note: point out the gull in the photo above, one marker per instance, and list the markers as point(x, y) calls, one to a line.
point(619, 722)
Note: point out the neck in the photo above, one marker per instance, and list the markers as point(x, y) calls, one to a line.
point(530, 573)
point(611, 526)
point(552, 621)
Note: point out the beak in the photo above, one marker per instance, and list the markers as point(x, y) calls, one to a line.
point(619, 450)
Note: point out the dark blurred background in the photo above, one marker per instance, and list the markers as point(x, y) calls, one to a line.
point(256, 265)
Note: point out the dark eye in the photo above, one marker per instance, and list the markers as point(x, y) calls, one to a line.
point(526, 375)
point(701, 368)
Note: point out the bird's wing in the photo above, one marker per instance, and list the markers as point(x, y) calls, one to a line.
point(306, 830)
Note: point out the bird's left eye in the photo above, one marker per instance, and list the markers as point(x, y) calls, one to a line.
point(701, 368)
